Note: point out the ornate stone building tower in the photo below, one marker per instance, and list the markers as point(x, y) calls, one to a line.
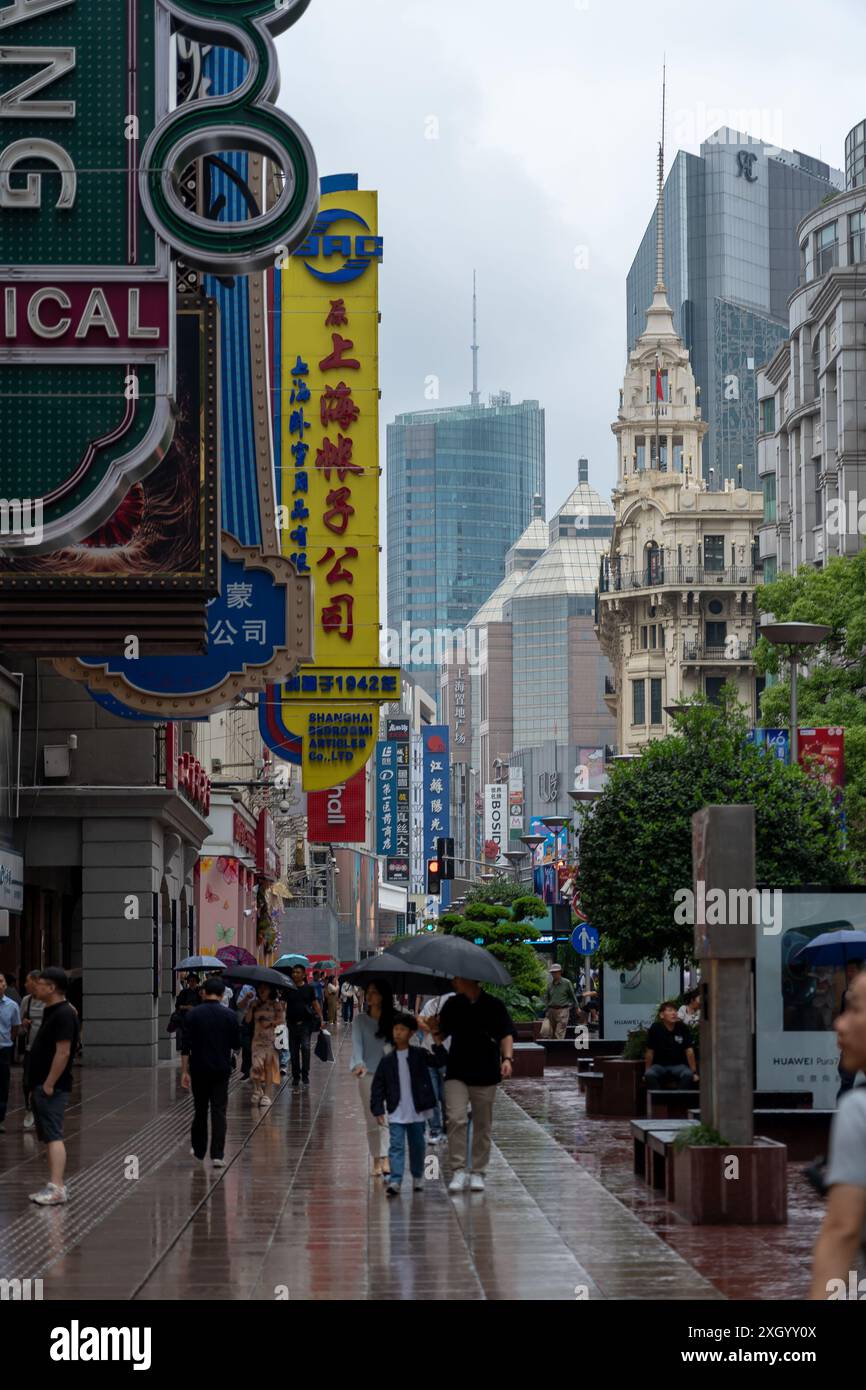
point(675, 607)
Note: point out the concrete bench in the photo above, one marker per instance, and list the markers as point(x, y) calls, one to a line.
point(640, 1132)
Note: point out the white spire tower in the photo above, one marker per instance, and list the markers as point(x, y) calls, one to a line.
point(475, 397)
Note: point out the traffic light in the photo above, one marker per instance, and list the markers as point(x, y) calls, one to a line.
point(445, 855)
point(434, 876)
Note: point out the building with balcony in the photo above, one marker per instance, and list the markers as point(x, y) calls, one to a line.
point(675, 604)
point(730, 261)
point(812, 392)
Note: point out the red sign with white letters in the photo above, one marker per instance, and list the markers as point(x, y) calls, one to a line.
point(339, 815)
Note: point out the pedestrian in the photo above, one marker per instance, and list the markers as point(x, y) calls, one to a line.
point(402, 1089)
point(669, 1053)
point(32, 1010)
point(265, 1013)
point(10, 1026)
point(371, 1038)
point(319, 991)
point(302, 1011)
point(347, 995)
point(245, 997)
point(332, 995)
point(558, 1001)
point(482, 1044)
point(847, 1078)
point(689, 1012)
point(210, 1036)
point(843, 1231)
point(427, 1023)
point(50, 1076)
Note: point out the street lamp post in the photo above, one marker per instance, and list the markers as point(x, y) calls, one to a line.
point(798, 637)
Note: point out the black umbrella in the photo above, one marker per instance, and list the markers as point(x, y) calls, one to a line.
point(258, 975)
point(452, 955)
point(400, 975)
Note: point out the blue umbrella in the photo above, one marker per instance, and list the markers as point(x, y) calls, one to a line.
point(288, 962)
point(832, 948)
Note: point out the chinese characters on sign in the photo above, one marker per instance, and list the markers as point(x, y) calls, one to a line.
point(393, 802)
point(437, 786)
point(329, 493)
point(458, 694)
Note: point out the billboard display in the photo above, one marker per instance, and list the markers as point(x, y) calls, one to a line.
point(328, 484)
point(495, 821)
point(631, 997)
point(796, 1004)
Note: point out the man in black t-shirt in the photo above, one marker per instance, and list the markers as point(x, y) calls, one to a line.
point(50, 1077)
point(482, 1043)
point(669, 1051)
point(302, 1009)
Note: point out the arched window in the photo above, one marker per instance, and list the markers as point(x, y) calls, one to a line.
point(654, 563)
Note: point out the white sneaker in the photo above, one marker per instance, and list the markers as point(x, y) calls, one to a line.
point(418, 1185)
point(29, 1121)
point(50, 1196)
point(458, 1182)
point(219, 1163)
point(265, 1101)
point(476, 1182)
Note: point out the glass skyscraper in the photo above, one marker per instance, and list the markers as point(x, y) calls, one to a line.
point(731, 262)
point(460, 486)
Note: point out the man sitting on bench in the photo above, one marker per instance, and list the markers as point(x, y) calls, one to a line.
point(670, 1056)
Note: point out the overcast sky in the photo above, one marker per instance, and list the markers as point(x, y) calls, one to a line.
point(548, 121)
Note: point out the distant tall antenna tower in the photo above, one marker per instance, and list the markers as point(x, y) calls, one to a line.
point(475, 398)
point(660, 209)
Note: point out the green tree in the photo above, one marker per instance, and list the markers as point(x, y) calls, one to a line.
point(833, 692)
point(505, 929)
point(636, 844)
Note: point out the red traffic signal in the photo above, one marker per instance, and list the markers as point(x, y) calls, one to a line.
point(434, 876)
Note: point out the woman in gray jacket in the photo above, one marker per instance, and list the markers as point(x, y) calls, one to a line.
point(371, 1039)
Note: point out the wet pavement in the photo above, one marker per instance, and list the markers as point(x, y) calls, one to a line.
point(294, 1215)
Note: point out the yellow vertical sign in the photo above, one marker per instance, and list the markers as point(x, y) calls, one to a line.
point(330, 479)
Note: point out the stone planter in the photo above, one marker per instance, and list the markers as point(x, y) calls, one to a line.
point(757, 1196)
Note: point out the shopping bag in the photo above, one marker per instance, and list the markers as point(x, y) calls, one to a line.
point(545, 1031)
point(323, 1049)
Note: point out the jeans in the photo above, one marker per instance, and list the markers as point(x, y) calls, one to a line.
point(658, 1075)
point(397, 1150)
point(210, 1091)
point(299, 1048)
point(348, 1010)
point(437, 1119)
point(6, 1055)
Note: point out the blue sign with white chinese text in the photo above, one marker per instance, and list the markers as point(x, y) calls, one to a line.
point(386, 798)
point(246, 624)
point(775, 741)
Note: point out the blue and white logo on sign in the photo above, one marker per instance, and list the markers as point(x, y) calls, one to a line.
point(584, 939)
point(358, 252)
